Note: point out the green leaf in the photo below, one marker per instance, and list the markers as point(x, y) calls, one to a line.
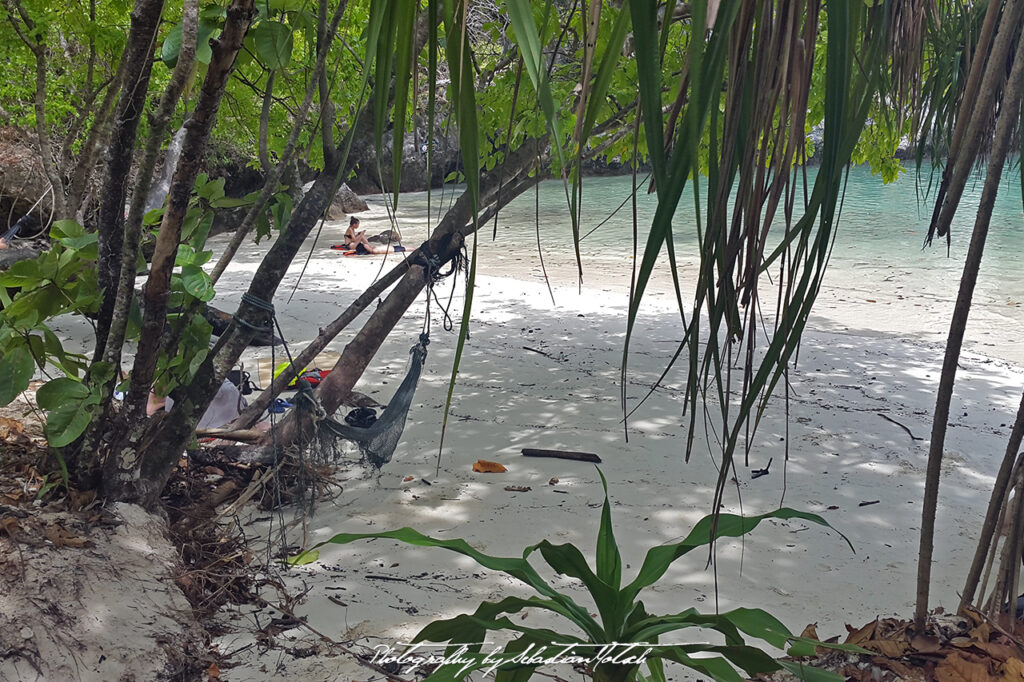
point(68, 421)
point(197, 282)
point(53, 394)
point(153, 217)
point(567, 560)
point(609, 561)
point(405, 16)
point(304, 558)
point(171, 48)
point(706, 530)
point(281, 210)
point(16, 369)
point(82, 243)
point(211, 190)
point(515, 567)
point(231, 202)
point(273, 42)
point(24, 274)
point(806, 672)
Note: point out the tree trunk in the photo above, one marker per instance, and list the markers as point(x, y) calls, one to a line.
point(498, 187)
point(166, 439)
point(1009, 113)
point(138, 60)
point(989, 528)
point(127, 476)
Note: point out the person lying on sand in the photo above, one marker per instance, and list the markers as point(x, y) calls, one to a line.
point(355, 240)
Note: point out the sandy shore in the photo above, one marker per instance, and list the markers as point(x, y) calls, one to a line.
point(546, 375)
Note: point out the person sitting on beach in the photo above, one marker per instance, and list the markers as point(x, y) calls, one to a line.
point(355, 240)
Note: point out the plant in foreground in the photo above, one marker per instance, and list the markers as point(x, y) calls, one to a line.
point(625, 637)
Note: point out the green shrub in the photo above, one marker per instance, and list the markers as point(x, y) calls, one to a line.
point(623, 619)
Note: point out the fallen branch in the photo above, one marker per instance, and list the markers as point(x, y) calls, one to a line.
point(534, 350)
point(890, 419)
point(562, 454)
point(239, 435)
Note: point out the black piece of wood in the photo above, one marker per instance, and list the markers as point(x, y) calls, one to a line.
point(562, 454)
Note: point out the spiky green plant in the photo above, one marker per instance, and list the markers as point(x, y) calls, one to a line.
point(622, 625)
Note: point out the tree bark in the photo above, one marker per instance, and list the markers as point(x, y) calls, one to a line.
point(138, 60)
point(1009, 112)
point(33, 39)
point(989, 528)
point(127, 474)
point(113, 322)
point(132, 237)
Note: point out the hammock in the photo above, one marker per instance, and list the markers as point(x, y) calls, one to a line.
point(378, 441)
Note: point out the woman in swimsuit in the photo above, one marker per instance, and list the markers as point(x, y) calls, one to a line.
point(355, 239)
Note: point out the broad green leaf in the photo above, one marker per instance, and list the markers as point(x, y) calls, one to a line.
point(231, 202)
point(516, 567)
point(567, 560)
point(273, 41)
point(197, 282)
point(68, 421)
point(706, 530)
point(171, 47)
point(53, 394)
point(304, 558)
point(452, 628)
point(211, 190)
point(718, 668)
point(16, 369)
point(23, 274)
point(81, 243)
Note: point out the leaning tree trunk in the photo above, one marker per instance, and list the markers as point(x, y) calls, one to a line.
point(1009, 113)
point(166, 437)
point(498, 187)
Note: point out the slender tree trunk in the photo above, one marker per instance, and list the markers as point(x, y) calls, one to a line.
point(127, 475)
point(138, 60)
point(34, 40)
point(113, 324)
point(1009, 113)
point(132, 237)
point(274, 177)
point(989, 528)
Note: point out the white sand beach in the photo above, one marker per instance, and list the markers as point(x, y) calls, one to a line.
point(546, 375)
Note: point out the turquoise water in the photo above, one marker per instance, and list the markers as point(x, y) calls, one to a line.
point(881, 226)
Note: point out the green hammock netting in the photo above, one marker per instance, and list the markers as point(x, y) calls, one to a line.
point(378, 441)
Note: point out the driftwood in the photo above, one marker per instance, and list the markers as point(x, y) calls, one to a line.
point(220, 321)
point(562, 454)
point(238, 435)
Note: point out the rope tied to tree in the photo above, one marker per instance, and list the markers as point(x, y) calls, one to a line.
point(259, 304)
